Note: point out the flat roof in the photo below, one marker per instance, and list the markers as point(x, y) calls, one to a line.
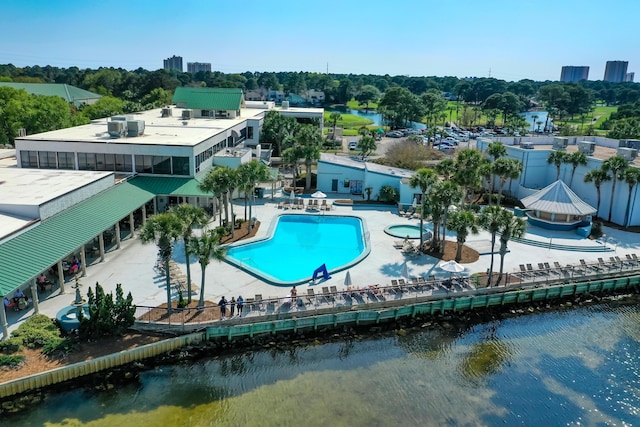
point(35, 187)
point(10, 224)
point(356, 163)
point(159, 130)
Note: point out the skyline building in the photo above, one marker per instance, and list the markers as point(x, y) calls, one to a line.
point(173, 63)
point(573, 74)
point(629, 77)
point(615, 71)
point(194, 67)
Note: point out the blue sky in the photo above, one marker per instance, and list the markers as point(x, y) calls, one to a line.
point(511, 39)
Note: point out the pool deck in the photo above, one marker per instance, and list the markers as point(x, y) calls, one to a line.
point(132, 265)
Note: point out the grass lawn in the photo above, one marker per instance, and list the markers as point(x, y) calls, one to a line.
point(600, 113)
point(355, 105)
point(347, 121)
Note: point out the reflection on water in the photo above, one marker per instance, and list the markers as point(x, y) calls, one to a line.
point(558, 368)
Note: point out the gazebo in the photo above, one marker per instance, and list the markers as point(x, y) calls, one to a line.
point(556, 207)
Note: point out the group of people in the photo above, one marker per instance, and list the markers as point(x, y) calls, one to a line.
point(18, 302)
point(233, 304)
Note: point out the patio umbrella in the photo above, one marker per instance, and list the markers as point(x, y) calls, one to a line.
point(380, 130)
point(405, 271)
point(318, 195)
point(451, 267)
point(415, 203)
point(292, 194)
point(347, 279)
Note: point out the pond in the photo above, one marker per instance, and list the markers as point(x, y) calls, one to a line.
point(376, 117)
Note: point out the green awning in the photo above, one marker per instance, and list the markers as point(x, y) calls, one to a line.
point(38, 248)
point(170, 186)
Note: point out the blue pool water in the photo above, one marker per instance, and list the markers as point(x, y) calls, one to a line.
point(413, 231)
point(299, 245)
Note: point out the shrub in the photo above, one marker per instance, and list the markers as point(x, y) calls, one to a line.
point(182, 302)
point(11, 360)
point(10, 345)
point(107, 318)
point(37, 331)
point(388, 194)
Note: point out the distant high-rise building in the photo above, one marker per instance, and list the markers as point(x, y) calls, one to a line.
point(629, 77)
point(615, 71)
point(194, 67)
point(571, 74)
point(173, 63)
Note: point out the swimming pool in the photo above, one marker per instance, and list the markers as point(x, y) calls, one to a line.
point(405, 230)
point(298, 244)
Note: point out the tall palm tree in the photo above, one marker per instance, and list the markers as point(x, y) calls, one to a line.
point(492, 219)
point(462, 223)
point(163, 229)
point(511, 227)
point(597, 176)
point(615, 165)
point(309, 141)
point(249, 174)
point(485, 171)
point(576, 159)
point(557, 158)
point(190, 216)
point(449, 193)
point(215, 183)
point(533, 120)
point(631, 176)
point(206, 248)
point(514, 172)
point(467, 165)
point(502, 169)
point(424, 179)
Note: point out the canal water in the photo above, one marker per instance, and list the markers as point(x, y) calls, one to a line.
point(567, 367)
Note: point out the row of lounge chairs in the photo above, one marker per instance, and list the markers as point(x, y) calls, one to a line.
point(584, 268)
point(411, 212)
point(300, 204)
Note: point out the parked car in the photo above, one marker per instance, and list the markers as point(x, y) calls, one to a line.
point(353, 145)
point(395, 134)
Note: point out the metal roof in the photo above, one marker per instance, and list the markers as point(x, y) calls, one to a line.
point(558, 198)
point(38, 248)
point(169, 186)
point(208, 98)
point(67, 92)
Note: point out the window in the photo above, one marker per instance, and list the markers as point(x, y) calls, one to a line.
point(87, 161)
point(180, 165)
point(162, 165)
point(66, 161)
point(123, 163)
point(250, 132)
point(347, 183)
point(29, 159)
point(144, 164)
point(47, 159)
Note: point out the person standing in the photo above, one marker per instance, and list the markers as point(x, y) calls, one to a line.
point(294, 295)
point(232, 306)
point(223, 307)
point(240, 304)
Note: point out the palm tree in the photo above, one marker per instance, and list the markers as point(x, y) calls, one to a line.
point(221, 181)
point(597, 176)
point(492, 219)
point(467, 165)
point(496, 150)
point(616, 165)
point(511, 227)
point(163, 229)
point(533, 120)
point(309, 141)
point(206, 248)
point(539, 123)
point(502, 169)
point(462, 223)
point(576, 159)
point(557, 158)
point(446, 168)
point(424, 179)
point(631, 176)
point(449, 193)
point(367, 145)
point(290, 156)
point(249, 174)
point(190, 216)
point(334, 117)
point(514, 172)
point(485, 171)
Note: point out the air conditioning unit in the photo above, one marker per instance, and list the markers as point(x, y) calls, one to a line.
point(285, 105)
point(135, 128)
point(186, 114)
point(166, 112)
point(587, 147)
point(630, 143)
point(117, 128)
point(560, 143)
point(627, 153)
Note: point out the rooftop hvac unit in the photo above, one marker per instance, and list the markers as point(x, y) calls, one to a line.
point(633, 143)
point(135, 128)
point(122, 118)
point(587, 147)
point(627, 153)
point(285, 105)
point(166, 112)
point(117, 128)
point(560, 143)
point(186, 114)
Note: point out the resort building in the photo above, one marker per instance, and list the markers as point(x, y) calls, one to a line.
point(173, 63)
point(573, 74)
point(615, 71)
point(195, 67)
